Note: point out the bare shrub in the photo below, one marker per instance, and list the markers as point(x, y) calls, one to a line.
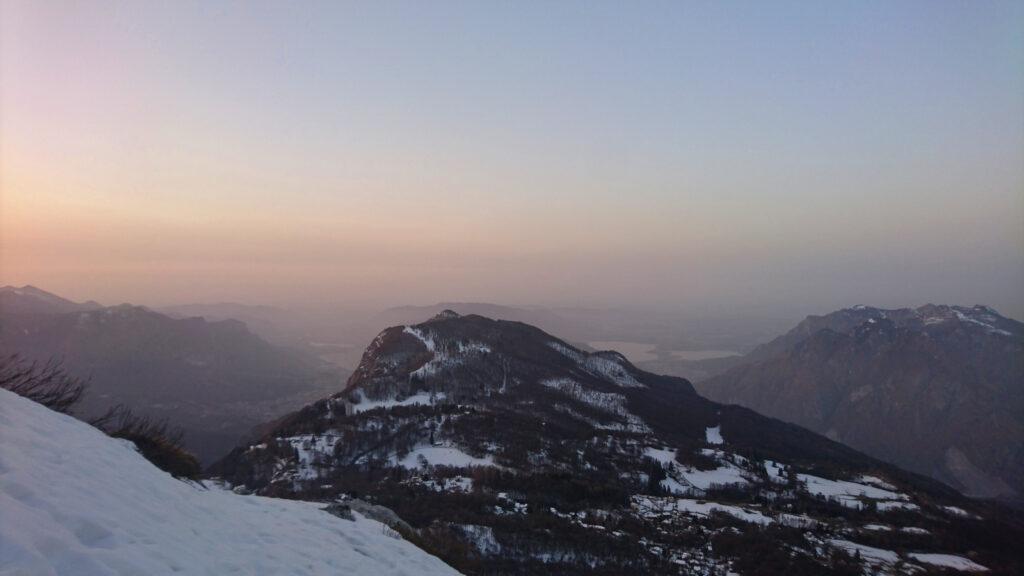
point(156, 440)
point(46, 383)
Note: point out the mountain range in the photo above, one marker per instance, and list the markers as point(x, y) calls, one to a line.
point(505, 450)
point(938, 390)
point(216, 380)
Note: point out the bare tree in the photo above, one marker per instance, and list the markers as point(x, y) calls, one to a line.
point(46, 383)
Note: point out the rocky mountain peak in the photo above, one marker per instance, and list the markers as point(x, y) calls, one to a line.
point(464, 359)
point(933, 373)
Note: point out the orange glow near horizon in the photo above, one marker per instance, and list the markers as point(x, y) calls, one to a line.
point(160, 156)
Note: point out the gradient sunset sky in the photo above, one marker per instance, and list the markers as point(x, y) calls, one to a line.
point(699, 155)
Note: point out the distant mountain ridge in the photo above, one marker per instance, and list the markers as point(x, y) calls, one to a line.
point(31, 300)
point(214, 379)
point(506, 450)
point(936, 389)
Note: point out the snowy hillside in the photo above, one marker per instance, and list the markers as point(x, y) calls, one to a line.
point(74, 501)
point(508, 451)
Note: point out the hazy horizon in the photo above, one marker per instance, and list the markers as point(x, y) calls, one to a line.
point(741, 158)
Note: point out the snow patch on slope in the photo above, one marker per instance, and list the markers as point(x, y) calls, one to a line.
point(714, 435)
point(684, 479)
point(869, 554)
point(949, 561)
point(77, 502)
point(849, 494)
point(609, 402)
point(600, 366)
point(445, 354)
point(418, 399)
point(441, 456)
point(423, 337)
point(654, 507)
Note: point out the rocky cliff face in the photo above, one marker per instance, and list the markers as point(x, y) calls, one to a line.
point(938, 389)
point(505, 450)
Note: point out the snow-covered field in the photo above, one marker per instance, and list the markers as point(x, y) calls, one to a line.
point(442, 456)
point(849, 494)
point(949, 561)
point(418, 399)
point(870, 554)
point(714, 435)
point(682, 479)
point(655, 507)
point(76, 502)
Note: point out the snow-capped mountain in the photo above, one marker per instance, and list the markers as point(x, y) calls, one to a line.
point(74, 501)
point(937, 389)
point(508, 451)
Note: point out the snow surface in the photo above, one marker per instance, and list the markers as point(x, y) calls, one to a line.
point(705, 479)
point(869, 554)
point(874, 481)
point(965, 318)
point(599, 366)
point(949, 561)
point(890, 505)
point(76, 502)
point(682, 479)
point(423, 336)
point(714, 435)
point(958, 512)
point(418, 399)
point(446, 354)
point(776, 472)
point(847, 493)
point(653, 507)
point(609, 402)
point(442, 456)
point(662, 455)
point(313, 450)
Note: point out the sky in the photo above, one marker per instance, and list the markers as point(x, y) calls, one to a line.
point(707, 156)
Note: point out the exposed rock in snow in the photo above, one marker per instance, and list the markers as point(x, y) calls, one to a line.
point(76, 502)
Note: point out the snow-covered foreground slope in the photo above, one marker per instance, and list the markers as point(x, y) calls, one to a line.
point(74, 501)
